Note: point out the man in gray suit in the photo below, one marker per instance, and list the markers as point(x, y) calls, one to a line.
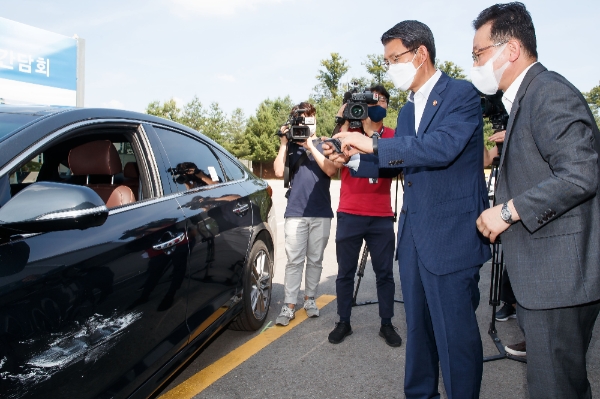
point(548, 201)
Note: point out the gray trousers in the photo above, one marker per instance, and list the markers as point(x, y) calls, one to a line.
point(557, 344)
point(305, 239)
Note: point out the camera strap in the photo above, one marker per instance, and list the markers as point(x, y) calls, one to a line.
point(289, 172)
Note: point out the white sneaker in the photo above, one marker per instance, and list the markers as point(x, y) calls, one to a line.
point(285, 316)
point(311, 307)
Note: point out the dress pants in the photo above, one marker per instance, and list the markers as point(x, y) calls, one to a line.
point(441, 325)
point(378, 232)
point(557, 344)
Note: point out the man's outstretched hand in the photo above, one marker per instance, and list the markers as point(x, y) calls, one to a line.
point(355, 143)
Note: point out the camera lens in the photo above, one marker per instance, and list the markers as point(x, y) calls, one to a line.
point(357, 111)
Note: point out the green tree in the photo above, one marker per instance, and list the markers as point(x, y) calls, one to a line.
point(235, 141)
point(450, 69)
point(260, 138)
point(194, 115)
point(593, 99)
point(167, 110)
point(215, 123)
point(329, 79)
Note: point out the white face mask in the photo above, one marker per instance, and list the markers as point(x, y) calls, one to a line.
point(403, 75)
point(313, 128)
point(485, 78)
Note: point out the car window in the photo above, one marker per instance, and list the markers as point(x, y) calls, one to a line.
point(193, 164)
point(53, 165)
point(233, 171)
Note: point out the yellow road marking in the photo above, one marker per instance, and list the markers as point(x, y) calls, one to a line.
point(206, 377)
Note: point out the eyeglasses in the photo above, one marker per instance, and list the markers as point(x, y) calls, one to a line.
point(395, 59)
point(476, 55)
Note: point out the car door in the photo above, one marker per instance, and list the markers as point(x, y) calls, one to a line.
point(219, 225)
point(94, 312)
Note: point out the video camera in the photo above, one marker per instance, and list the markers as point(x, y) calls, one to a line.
point(186, 172)
point(357, 106)
point(493, 109)
point(298, 131)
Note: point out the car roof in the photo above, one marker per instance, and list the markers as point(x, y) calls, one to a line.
point(51, 117)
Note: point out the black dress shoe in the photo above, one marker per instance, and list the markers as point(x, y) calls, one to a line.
point(388, 332)
point(341, 331)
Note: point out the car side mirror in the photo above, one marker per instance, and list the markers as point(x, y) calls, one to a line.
point(47, 206)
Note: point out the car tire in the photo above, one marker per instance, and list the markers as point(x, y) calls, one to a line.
point(258, 285)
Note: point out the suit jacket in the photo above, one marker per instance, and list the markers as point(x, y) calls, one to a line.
point(549, 167)
point(444, 190)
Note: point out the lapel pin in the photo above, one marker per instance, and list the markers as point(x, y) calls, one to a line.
point(434, 103)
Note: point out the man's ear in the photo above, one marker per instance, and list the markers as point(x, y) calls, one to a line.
point(514, 46)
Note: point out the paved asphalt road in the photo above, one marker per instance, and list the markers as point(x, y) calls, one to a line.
point(303, 364)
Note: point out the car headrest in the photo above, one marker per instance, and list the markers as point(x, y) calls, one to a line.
point(95, 158)
point(131, 170)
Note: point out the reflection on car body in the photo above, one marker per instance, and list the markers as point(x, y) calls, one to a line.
point(126, 241)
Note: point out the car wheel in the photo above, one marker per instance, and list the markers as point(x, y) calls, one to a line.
point(256, 298)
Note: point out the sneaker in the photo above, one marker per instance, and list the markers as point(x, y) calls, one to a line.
point(516, 349)
point(390, 334)
point(506, 312)
point(311, 307)
point(285, 316)
point(341, 331)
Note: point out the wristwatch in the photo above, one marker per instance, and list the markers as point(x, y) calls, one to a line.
point(375, 139)
point(505, 214)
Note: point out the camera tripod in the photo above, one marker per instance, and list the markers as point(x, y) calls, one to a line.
point(496, 282)
point(365, 253)
point(360, 273)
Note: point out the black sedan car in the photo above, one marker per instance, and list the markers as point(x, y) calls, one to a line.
point(126, 243)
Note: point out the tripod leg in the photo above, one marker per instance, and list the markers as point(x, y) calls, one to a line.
point(360, 272)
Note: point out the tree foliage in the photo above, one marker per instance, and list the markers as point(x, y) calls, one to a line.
point(260, 137)
point(450, 69)
point(329, 79)
point(593, 99)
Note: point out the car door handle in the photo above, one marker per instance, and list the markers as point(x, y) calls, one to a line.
point(241, 209)
point(168, 244)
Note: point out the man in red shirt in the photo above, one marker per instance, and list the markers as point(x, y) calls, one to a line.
point(365, 213)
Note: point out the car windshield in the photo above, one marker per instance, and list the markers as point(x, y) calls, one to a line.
point(9, 122)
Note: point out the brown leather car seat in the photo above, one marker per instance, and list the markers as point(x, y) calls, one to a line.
point(101, 158)
point(132, 178)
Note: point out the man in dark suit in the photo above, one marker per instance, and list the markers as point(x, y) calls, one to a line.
point(548, 201)
point(439, 146)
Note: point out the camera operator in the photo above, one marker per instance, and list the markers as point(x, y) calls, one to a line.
point(307, 215)
point(548, 197)
point(365, 213)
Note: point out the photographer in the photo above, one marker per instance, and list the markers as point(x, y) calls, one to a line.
point(307, 215)
point(365, 214)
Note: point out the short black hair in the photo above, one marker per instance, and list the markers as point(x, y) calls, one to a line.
point(412, 34)
point(379, 89)
point(509, 21)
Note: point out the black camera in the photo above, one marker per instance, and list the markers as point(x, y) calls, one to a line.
point(186, 172)
point(357, 106)
point(298, 129)
point(493, 109)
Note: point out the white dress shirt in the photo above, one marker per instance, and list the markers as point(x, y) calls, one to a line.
point(509, 95)
point(420, 97)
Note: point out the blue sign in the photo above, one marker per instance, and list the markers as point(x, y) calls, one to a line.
point(33, 55)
